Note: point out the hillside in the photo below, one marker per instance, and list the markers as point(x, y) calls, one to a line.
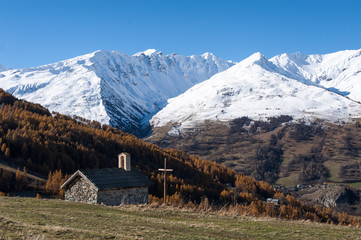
point(110, 87)
point(291, 120)
point(31, 137)
point(278, 151)
point(25, 218)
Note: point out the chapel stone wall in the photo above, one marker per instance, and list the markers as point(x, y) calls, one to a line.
point(123, 196)
point(81, 190)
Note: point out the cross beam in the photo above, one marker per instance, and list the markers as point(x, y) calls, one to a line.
point(165, 170)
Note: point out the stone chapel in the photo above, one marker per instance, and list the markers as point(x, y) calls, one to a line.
point(109, 186)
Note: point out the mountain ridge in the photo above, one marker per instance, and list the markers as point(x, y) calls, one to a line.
point(327, 88)
point(127, 91)
point(110, 87)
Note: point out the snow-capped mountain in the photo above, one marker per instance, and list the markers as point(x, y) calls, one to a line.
point(2, 68)
point(306, 87)
point(339, 72)
point(110, 87)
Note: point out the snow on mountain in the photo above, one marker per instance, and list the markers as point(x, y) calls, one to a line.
point(339, 72)
point(306, 87)
point(111, 87)
point(148, 52)
point(2, 68)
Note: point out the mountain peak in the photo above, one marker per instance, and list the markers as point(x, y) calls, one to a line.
point(207, 55)
point(255, 59)
point(256, 56)
point(148, 52)
point(111, 87)
point(303, 86)
point(297, 56)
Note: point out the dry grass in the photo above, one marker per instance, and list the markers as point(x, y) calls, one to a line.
point(26, 218)
point(291, 180)
point(356, 185)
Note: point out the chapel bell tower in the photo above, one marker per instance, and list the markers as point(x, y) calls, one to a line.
point(124, 161)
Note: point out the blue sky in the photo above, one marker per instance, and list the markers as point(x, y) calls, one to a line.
point(34, 33)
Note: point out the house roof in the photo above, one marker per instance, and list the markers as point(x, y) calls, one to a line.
point(112, 178)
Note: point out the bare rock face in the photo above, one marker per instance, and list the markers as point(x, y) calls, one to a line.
point(333, 196)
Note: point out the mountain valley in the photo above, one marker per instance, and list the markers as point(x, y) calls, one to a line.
point(277, 151)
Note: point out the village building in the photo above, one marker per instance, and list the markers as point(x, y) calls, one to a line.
point(273, 201)
point(109, 186)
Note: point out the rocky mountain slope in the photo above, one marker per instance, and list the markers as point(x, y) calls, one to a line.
point(279, 150)
point(111, 87)
point(305, 87)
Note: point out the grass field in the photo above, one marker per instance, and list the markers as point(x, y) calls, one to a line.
point(28, 218)
point(356, 185)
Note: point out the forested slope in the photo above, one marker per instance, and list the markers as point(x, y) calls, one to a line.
point(33, 137)
point(279, 150)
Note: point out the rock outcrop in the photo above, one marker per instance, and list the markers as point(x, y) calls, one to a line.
point(334, 196)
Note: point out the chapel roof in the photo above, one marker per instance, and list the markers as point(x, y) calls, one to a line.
point(112, 178)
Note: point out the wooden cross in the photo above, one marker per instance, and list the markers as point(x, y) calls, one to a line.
point(165, 170)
